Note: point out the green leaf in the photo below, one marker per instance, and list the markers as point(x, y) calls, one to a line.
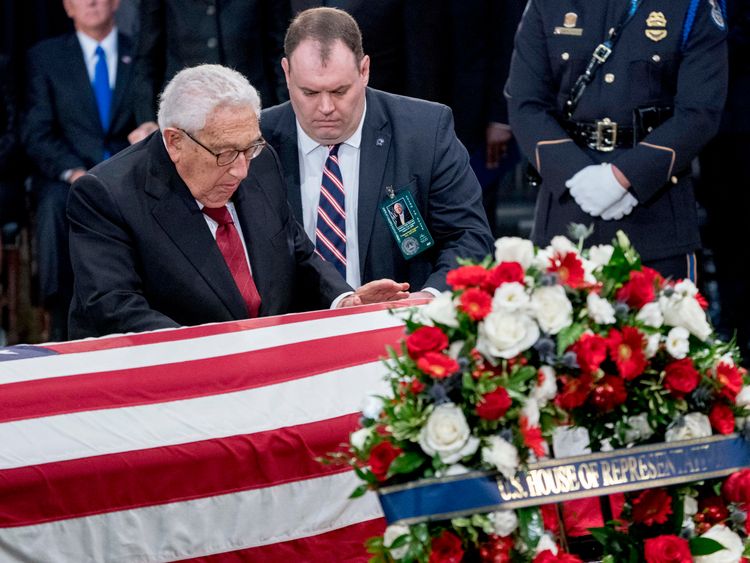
point(602, 535)
point(359, 491)
point(704, 546)
point(406, 463)
point(530, 525)
point(567, 336)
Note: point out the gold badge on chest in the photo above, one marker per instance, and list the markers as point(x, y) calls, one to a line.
point(569, 25)
point(656, 26)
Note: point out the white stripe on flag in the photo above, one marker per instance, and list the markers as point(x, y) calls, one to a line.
point(195, 528)
point(192, 349)
point(90, 433)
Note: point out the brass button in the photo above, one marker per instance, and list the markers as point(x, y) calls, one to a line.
point(565, 56)
point(656, 58)
point(609, 78)
point(212, 43)
point(673, 179)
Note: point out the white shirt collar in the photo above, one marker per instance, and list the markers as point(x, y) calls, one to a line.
point(89, 44)
point(307, 144)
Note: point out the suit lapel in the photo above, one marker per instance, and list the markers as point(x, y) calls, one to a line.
point(289, 155)
point(179, 216)
point(376, 143)
point(80, 82)
point(122, 80)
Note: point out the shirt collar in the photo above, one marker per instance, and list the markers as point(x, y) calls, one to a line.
point(89, 44)
point(307, 144)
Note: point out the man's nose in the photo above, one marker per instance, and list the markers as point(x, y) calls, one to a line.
point(239, 168)
point(326, 103)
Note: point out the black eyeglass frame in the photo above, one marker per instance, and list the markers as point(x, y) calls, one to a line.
point(256, 148)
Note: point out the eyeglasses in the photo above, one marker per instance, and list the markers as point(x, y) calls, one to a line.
point(226, 158)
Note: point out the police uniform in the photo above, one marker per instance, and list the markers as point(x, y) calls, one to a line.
point(648, 110)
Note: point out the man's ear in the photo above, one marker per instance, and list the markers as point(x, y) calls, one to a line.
point(173, 140)
point(364, 69)
point(285, 66)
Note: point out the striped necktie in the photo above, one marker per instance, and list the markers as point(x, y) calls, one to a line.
point(330, 231)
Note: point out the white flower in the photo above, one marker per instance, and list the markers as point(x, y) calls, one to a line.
point(531, 411)
point(639, 429)
point(359, 438)
point(732, 552)
point(501, 455)
point(650, 315)
point(693, 425)
point(685, 288)
point(514, 249)
point(652, 345)
point(510, 296)
point(440, 310)
point(391, 534)
point(546, 543)
point(455, 469)
point(601, 254)
point(552, 308)
point(600, 310)
point(447, 434)
point(563, 245)
point(678, 342)
point(504, 522)
point(691, 506)
point(454, 350)
point(727, 359)
point(505, 335)
point(372, 407)
point(743, 397)
point(546, 387)
point(687, 313)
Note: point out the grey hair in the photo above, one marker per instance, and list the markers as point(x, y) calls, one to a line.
point(195, 92)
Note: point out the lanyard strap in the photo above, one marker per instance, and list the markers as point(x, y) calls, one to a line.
point(598, 58)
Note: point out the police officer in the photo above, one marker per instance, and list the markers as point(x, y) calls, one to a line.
point(611, 101)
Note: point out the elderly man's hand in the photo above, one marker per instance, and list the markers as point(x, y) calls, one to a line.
point(376, 292)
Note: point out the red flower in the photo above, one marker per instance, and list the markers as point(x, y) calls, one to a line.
point(466, 276)
point(446, 548)
point(639, 289)
point(547, 556)
point(426, 339)
point(608, 392)
point(702, 301)
point(591, 351)
point(476, 303)
point(496, 550)
point(730, 380)
point(681, 377)
point(652, 506)
point(416, 386)
point(532, 437)
point(575, 391)
point(494, 404)
point(569, 268)
point(667, 549)
point(626, 349)
point(722, 418)
point(713, 509)
point(504, 272)
point(437, 365)
point(381, 457)
point(736, 488)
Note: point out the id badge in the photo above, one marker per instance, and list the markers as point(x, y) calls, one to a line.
point(406, 223)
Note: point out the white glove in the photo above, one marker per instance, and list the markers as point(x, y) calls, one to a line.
point(595, 188)
point(620, 208)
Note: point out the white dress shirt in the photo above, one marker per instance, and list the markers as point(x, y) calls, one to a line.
point(109, 44)
point(312, 159)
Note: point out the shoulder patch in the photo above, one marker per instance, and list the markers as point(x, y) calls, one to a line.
point(717, 14)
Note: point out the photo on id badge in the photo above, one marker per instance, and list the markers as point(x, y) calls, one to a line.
point(406, 223)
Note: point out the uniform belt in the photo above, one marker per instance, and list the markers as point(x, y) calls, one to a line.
point(603, 135)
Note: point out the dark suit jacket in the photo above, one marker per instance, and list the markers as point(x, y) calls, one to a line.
point(62, 128)
point(144, 257)
point(409, 145)
point(247, 35)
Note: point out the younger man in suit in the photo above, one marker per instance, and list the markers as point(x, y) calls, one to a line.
point(372, 147)
point(79, 112)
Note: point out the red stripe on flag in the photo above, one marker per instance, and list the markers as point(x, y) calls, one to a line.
point(95, 485)
point(172, 335)
point(196, 378)
point(342, 545)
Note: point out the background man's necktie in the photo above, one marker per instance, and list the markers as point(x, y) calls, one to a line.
point(102, 91)
point(231, 248)
point(330, 231)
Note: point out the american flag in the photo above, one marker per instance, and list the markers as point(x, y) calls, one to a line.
point(191, 444)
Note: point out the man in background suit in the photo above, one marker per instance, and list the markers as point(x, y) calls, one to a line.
point(174, 231)
point(386, 145)
point(246, 35)
point(79, 112)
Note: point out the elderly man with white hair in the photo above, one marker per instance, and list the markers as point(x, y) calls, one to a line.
point(191, 225)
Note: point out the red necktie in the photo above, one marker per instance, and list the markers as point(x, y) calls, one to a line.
point(231, 248)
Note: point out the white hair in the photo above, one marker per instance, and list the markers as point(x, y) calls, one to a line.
point(194, 93)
